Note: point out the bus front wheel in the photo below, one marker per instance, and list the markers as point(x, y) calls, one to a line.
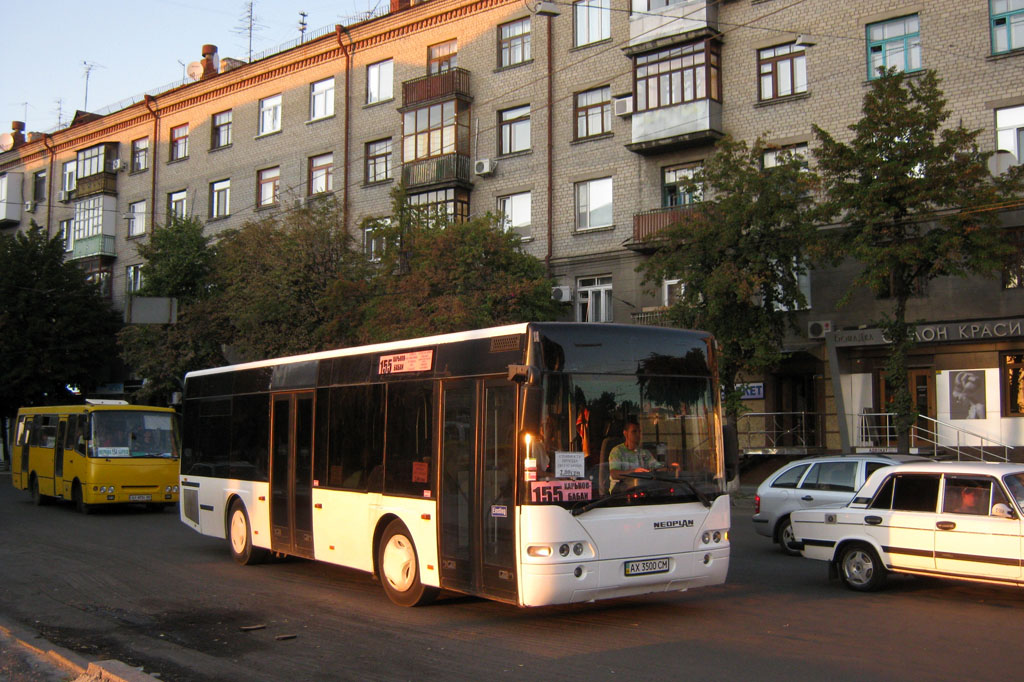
point(240, 537)
point(38, 498)
point(399, 568)
point(79, 499)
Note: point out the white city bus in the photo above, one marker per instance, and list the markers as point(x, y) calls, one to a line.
point(474, 462)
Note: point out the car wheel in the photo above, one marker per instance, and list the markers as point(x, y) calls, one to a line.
point(240, 537)
point(860, 568)
point(399, 568)
point(786, 539)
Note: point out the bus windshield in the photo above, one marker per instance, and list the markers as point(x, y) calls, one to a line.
point(617, 440)
point(134, 434)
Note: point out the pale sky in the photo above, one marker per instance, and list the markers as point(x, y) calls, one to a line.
point(136, 46)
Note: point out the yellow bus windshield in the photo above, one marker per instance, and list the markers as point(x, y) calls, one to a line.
point(133, 434)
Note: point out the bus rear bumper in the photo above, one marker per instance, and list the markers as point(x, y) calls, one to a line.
point(574, 582)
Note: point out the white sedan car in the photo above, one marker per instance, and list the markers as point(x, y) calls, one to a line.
point(944, 519)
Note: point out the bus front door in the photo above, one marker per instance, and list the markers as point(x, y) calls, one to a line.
point(58, 459)
point(291, 474)
point(477, 505)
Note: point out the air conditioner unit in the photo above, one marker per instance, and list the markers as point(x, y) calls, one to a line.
point(561, 293)
point(623, 106)
point(30, 207)
point(64, 195)
point(484, 166)
point(816, 329)
point(116, 165)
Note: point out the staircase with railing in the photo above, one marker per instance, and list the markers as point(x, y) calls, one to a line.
point(930, 437)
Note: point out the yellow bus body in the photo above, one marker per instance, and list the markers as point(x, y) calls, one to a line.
point(56, 454)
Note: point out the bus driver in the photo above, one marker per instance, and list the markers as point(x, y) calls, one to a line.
point(629, 457)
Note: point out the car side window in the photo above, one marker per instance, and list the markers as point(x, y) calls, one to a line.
point(790, 477)
point(966, 495)
point(835, 476)
point(908, 492)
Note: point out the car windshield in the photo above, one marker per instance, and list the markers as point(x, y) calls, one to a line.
point(616, 440)
point(1015, 484)
point(134, 434)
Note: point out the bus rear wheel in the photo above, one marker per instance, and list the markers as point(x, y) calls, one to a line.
point(398, 566)
point(240, 537)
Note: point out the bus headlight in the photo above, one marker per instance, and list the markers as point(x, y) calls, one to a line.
point(564, 549)
point(539, 550)
point(577, 549)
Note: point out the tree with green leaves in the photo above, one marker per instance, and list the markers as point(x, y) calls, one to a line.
point(292, 283)
point(179, 264)
point(916, 201)
point(739, 252)
point(58, 330)
point(435, 275)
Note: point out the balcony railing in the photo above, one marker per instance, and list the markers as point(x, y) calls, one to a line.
point(435, 86)
point(97, 245)
point(96, 183)
point(437, 170)
point(647, 224)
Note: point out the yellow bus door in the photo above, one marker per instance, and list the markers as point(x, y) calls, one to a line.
point(58, 459)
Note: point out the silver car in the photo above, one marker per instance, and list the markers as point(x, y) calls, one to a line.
point(812, 482)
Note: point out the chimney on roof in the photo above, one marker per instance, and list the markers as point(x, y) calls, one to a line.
point(211, 63)
point(18, 132)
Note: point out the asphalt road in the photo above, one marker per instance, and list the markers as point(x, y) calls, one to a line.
point(142, 588)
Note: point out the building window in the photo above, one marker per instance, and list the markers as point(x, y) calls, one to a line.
point(268, 186)
point(136, 218)
point(594, 299)
point(177, 204)
point(378, 161)
point(373, 243)
point(677, 186)
point(1010, 131)
point(671, 291)
point(1013, 271)
point(380, 81)
point(433, 131)
point(321, 174)
point(179, 142)
point(270, 115)
point(140, 154)
point(132, 279)
point(88, 218)
point(39, 187)
point(678, 74)
point(514, 213)
point(221, 130)
point(67, 234)
point(220, 199)
point(782, 70)
point(773, 157)
point(321, 99)
point(450, 203)
point(515, 130)
point(894, 44)
point(90, 161)
point(1007, 24)
point(68, 176)
point(1011, 380)
point(593, 112)
point(442, 57)
point(592, 20)
point(594, 204)
point(98, 275)
point(514, 42)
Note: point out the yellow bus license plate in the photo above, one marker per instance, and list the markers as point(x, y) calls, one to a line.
point(140, 498)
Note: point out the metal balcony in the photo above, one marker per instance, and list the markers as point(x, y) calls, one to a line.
point(450, 83)
point(647, 224)
point(439, 170)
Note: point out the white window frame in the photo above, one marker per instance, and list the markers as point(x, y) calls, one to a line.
point(137, 218)
point(221, 122)
point(1010, 130)
point(67, 233)
point(69, 175)
point(270, 115)
point(321, 99)
point(590, 290)
point(592, 21)
point(220, 199)
point(321, 173)
point(179, 142)
point(380, 86)
point(589, 216)
point(88, 217)
point(515, 212)
point(177, 204)
point(770, 158)
point(133, 279)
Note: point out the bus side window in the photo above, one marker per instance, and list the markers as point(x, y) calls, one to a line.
point(23, 430)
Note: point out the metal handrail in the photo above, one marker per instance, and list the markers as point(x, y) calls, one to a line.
point(771, 431)
point(875, 428)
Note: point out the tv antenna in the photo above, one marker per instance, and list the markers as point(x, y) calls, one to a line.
point(88, 67)
point(302, 25)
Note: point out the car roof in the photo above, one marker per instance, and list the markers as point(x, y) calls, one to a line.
point(859, 457)
point(940, 467)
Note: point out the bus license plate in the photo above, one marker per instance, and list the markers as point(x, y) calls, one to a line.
point(647, 566)
point(140, 498)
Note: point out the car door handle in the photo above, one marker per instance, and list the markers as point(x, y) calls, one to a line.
point(872, 520)
point(807, 498)
point(945, 525)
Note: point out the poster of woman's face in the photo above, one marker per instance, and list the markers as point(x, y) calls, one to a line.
point(967, 395)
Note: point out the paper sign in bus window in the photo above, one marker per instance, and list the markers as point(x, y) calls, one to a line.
point(569, 464)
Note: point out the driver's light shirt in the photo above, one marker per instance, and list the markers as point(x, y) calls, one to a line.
point(622, 458)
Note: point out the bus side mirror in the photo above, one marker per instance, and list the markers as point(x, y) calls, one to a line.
point(522, 374)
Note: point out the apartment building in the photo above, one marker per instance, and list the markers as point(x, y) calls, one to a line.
point(577, 122)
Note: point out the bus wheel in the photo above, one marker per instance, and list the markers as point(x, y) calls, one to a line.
point(240, 537)
point(77, 498)
point(38, 498)
point(399, 568)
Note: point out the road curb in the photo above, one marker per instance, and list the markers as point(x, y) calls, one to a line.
point(63, 659)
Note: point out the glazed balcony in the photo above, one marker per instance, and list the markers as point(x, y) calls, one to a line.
point(439, 170)
point(445, 85)
point(651, 25)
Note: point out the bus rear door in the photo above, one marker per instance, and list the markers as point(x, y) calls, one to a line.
point(477, 505)
point(291, 474)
